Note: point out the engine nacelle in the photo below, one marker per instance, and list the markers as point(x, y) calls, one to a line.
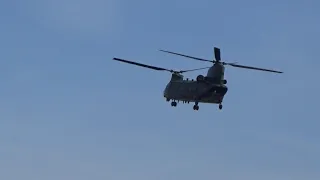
point(224, 81)
point(200, 78)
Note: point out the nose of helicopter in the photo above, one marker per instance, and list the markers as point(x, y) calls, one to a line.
point(165, 91)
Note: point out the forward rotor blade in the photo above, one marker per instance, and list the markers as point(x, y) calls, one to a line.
point(217, 54)
point(199, 59)
point(183, 71)
point(142, 65)
point(254, 68)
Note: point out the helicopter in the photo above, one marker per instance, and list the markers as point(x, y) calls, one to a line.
point(210, 88)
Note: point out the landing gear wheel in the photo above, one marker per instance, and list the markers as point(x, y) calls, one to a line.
point(220, 106)
point(196, 107)
point(173, 103)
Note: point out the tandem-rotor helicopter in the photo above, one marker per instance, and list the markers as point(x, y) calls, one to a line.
point(205, 89)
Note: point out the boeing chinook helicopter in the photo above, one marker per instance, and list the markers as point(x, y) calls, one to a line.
point(205, 89)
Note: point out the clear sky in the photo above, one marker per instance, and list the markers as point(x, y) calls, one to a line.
point(68, 111)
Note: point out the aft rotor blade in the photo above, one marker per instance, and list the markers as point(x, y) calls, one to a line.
point(217, 54)
point(183, 71)
point(142, 65)
point(187, 56)
point(254, 68)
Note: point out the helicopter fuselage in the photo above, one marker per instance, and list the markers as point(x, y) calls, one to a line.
point(208, 90)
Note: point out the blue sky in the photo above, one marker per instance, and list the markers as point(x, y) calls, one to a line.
point(69, 112)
